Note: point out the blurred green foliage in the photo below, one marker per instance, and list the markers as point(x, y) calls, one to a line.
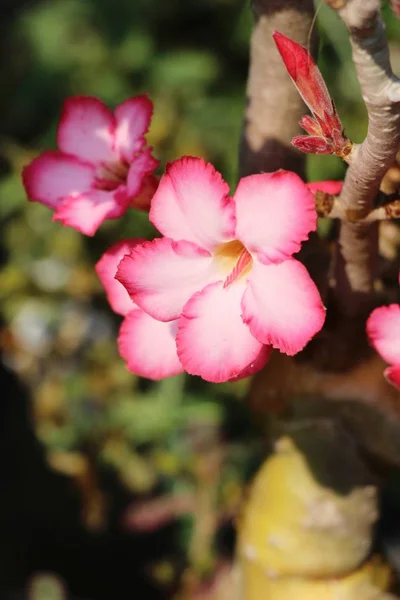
point(89, 412)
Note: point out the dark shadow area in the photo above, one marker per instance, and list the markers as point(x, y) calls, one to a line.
point(40, 520)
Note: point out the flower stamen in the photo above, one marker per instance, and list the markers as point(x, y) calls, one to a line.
point(243, 265)
point(233, 260)
point(111, 175)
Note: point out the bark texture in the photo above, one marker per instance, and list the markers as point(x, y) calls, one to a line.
point(358, 242)
point(338, 370)
point(337, 378)
point(274, 106)
point(307, 529)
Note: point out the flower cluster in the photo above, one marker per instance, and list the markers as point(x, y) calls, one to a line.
point(102, 166)
point(222, 281)
point(221, 287)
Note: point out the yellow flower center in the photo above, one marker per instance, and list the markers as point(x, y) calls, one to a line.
point(234, 260)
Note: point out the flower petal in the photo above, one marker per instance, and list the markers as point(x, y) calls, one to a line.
point(256, 365)
point(212, 339)
point(191, 203)
point(132, 121)
point(86, 212)
point(282, 305)
point(86, 130)
point(162, 275)
point(392, 374)
point(52, 176)
point(148, 346)
point(383, 330)
point(141, 167)
point(275, 212)
point(106, 269)
point(329, 187)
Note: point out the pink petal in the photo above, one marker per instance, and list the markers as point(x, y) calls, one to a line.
point(149, 186)
point(191, 203)
point(256, 365)
point(329, 187)
point(148, 346)
point(133, 120)
point(106, 269)
point(53, 175)
point(275, 212)
point(282, 306)
point(162, 275)
point(86, 130)
point(304, 73)
point(392, 374)
point(86, 212)
point(383, 330)
point(141, 167)
point(212, 339)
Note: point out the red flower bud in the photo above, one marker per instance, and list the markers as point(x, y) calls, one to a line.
point(312, 144)
point(310, 125)
point(305, 74)
point(324, 126)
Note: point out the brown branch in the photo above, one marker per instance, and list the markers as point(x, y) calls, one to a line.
point(391, 210)
point(329, 206)
point(332, 207)
point(274, 106)
point(357, 248)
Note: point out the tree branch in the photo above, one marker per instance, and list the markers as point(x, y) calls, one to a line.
point(332, 207)
point(270, 123)
point(357, 248)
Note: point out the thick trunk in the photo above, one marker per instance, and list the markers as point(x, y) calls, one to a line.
point(336, 380)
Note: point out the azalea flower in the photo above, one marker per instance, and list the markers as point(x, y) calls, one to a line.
point(325, 131)
point(224, 271)
point(147, 345)
point(383, 330)
point(102, 166)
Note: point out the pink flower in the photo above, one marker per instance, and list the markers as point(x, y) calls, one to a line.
point(224, 272)
point(383, 330)
point(102, 164)
point(324, 127)
point(147, 345)
point(395, 6)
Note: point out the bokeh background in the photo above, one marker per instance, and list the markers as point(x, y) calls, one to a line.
point(113, 486)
